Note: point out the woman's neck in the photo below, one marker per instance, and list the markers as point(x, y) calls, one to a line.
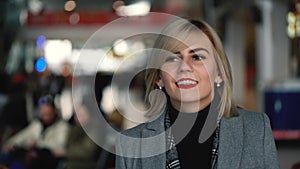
point(174, 113)
point(189, 107)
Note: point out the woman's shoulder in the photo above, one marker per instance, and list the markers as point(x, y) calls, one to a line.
point(133, 131)
point(250, 124)
point(249, 114)
point(253, 118)
point(154, 124)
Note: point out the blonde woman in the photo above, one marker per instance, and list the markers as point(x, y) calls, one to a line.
point(194, 122)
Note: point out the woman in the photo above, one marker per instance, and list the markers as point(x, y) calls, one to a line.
point(199, 125)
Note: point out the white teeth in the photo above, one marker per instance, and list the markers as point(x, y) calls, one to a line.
point(186, 82)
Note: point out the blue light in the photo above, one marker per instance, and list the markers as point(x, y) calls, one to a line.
point(41, 41)
point(40, 65)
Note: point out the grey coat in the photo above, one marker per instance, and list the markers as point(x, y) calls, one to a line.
point(245, 142)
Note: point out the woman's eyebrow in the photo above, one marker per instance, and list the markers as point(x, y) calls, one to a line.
point(198, 49)
point(177, 53)
point(193, 51)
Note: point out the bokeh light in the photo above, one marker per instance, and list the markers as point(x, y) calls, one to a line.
point(41, 41)
point(40, 65)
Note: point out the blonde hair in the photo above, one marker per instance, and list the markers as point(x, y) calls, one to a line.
point(172, 37)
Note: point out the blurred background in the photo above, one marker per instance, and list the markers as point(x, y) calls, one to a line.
point(41, 41)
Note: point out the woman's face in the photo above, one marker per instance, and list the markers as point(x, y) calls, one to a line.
point(189, 74)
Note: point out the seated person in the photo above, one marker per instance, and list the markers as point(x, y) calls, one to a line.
point(81, 150)
point(42, 143)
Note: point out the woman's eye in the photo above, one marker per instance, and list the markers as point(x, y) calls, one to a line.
point(198, 57)
point(172, 59)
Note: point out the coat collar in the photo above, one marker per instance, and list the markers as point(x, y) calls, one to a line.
point(154, 130)
point(156, 123)
point(230, 143)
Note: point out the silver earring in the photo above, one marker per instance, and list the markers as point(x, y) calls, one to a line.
point(218, 84)
point(159, 87)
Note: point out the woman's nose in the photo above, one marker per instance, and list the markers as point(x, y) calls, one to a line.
point(185, 66)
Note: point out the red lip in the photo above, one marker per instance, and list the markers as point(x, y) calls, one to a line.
point(186, 86)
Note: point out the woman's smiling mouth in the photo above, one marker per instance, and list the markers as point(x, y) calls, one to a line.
point(186, 83)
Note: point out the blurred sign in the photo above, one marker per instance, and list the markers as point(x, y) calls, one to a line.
point(85, 18)
point(282, 107)
point(65, 18)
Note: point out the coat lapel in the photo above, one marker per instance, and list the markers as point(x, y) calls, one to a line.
point(231, 143)
point(153, 145)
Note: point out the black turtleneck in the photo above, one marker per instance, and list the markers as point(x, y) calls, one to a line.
point(191, 153)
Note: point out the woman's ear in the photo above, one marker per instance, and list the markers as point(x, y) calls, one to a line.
point(159, 83)
point(218, 79)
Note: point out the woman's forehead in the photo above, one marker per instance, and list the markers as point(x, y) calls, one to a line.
point(194, 39)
